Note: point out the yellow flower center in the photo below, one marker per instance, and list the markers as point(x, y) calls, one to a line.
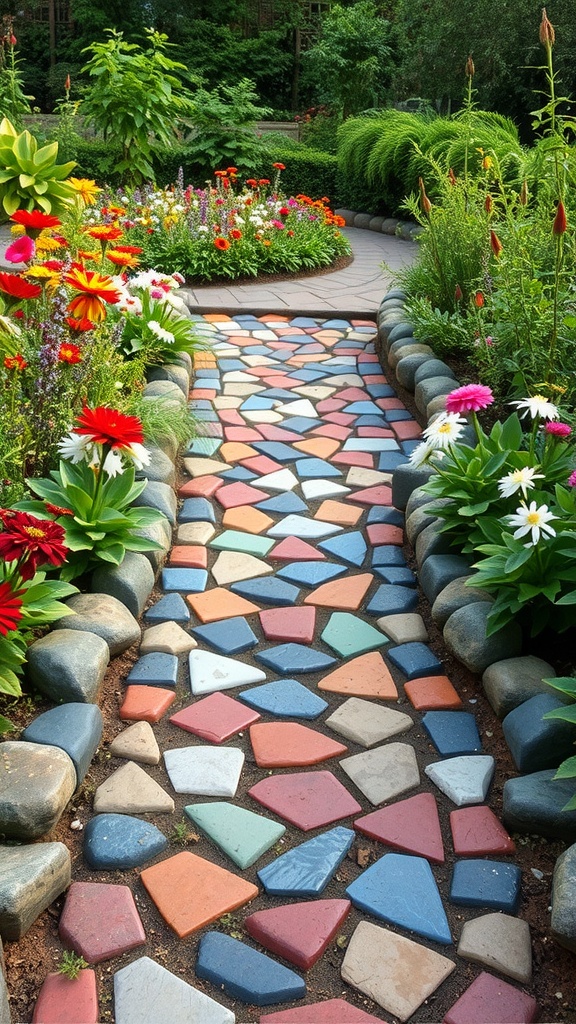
point(34, 532)
point(533, 518)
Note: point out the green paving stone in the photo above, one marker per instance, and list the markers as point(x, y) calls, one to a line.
point(204, 446)
point(243, 835)
point(348, 635)
point(248, 543)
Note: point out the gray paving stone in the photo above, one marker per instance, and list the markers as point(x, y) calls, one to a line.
point(32, 877)
point(68, 665)
point(37, 783)
point(105, 616)
point(465, 637)
point(146, 993)
point(367, 723)
point(454, 596)
point(131, 582)
point(512, 681)
point(384, 773)
point(168, 638)
point(408, 627)
point(534, 804)
point(500, 942)
point(130, 790)
point(564, 900)
point(136, 743)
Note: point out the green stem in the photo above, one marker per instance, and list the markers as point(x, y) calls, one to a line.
point(103, 452)
point(554, 337)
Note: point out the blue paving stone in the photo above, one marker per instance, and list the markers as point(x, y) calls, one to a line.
point(333, 371)
point(391, 600)
point(193, 581)
point(311, 574)
point(409, 446)
point(388, 554)
point(277, 450)
point(293, 659)
point(200, 403)
point(313, 469)
point(350, 547)
point(207, 446)
point(244, 973)
point(337, 325)
point(283, 503)
point(307, 376)
point(230, 636)
point(229, 365)
point(117, 842)
point(389, 461)
point(415, 659)
point(196, 510)
point(535, 741)
point(306, 870)
point(349, 344)
point(394, 415)
point(281, 393)
point(256, 350)
point(206, 416)
point(155, 669)
point(371, 421)
point(286, 698)
point(362, 409)
point(209, 374)
point(402, 890)
point(170, 608)
point(486, 883)
point(301, 321)
point(267, 590)
point(453, 732)
point(255, 402)
point(394, 574)
point(212, 382)
point(75, 728)
point(238, 473)
point(385, 514)
point(300, 425)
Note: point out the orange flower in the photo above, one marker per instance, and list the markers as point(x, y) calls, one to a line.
point(235, 233)
point(122, 259)
point(104, 232)
point(15, 362)
point(221, 243)
point(339, 221)
point(495, 243)
point(79, 325)
point(69, 353)
point(279, 167)
point(95, 289)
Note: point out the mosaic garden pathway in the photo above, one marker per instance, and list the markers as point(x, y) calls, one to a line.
point(315, 744)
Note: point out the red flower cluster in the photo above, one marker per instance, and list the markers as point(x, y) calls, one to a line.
point(16, 362)
point(109, 427)
point(31, 542)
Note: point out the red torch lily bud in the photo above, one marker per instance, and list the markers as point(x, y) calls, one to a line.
point(12, 40)
point(560, 223)
point(458, 294)
point(547, 34)
point(495, 244)
point(470, 69)
point(67, 83)
point(479, 299)
point(451, 177)
point(523, 197)
point(488, 203)
point(424, 201)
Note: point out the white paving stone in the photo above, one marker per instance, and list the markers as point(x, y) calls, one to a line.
point(210, 672)
point(129, 790)
point(243, 390)
point(204, 467)
point(262, 416)
point(279, 480)
point(239, 377)
point(370, 444)
point(315, 489)
point(302, 407)
point(366, 723)
point(136, 743)
point(403, 628)
point(465, 780)
point(205, 771)
point(264, 335)
point(258, 361)
point(384, 773)
point(226, 402)
point(300, 526)
point(168, 638)
point(232, 566)
point(346, 380)
point(195, 533)
point(317, 391)
point(499, 942)
point(359, 477)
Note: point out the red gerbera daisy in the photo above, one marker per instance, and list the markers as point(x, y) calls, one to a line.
point(16, 362)
point(110, 427)
point(79, 325)
point(34, 221)
point(222, 243)
point(10, 605)
point(69, 353)
point(18, 288)
point(31, 541)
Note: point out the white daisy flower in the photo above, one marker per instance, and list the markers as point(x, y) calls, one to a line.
point(160, 332)
point(421, 454)
point(532, 520)
point(445, 429)
point(518, 480)
point(139, 454)
point(537, 405)
point(113, 464)
point(74, 447)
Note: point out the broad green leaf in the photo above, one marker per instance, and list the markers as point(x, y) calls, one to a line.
point(567, 769)
point(566, 684)
point(6, 725)
point(567, 714)
point(9, 683)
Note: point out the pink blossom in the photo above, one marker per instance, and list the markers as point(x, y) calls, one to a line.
point(557, 429)
point(22, 250)
point(489, 341)
point(572, 479)
point(469, 398)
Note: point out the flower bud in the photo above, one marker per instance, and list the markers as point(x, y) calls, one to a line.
point(451, 177)
point(495, 244)
point(424, 201)
point(67, 83)
point(547, 34)
point(470, 69)
point(523, 197)
point(458, 294)
point(488, 203)
point(560, 223)
point(479, 299)
point(12, 39)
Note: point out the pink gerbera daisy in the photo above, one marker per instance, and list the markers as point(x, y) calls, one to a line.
point(469, 398)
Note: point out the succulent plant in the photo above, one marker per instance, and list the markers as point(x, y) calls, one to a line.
point(30, 178)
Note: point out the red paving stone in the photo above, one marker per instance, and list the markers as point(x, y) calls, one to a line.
point(365, 676)
point(200, 487)
point(332, 430)
point(410, 825)
point(65, 1000)
point(189, 556)
point(432, 693)
point(231, 417)
point(292, 549)
point(347, 593)
point(379, 495)
point(100, 921)
point(270, 432)
point(489, 1000)
point(329, 405)
point(364, 459)
point(244, 434)
point(232, 495)
point(374, 432)
point(407, 430)
point(261, 464)
point(342, 419)
point(330, 1011)
point(384, 533)
point(145, 703)
point(298, 932)
point(290, 744)
point(215, 718)
point(477, 831)
point(289, 624)
point(306, 799)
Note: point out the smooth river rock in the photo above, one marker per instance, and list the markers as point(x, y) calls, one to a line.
point(68, 665)
point(104, 615)
point(37, 783)
point(32, 877)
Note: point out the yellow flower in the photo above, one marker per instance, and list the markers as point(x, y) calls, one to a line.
point(86, 188)
point(45, 275)
point(46, 243)
point(17, 229)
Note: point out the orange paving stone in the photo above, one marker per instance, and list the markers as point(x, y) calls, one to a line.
point(337, 512)
point(432, 693)
point(145, 703)
point(191, 892)
point(346, 594)
point(365, 676)
point(246, 518)
point(189, 556)
point(202, 487)
point(219, 603)
point(291, 624)
point(287, 744)
point(234, 451)
point(321, 447)
point(217, 318)
point(385, 533)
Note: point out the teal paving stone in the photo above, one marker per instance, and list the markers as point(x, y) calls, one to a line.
point(389, 461)
point(155, 669)
point(204, 446)
point(170, 608)
point(196, 510)
point(385, 514)
point(230, 636)
point(388, 554)
point(243, 835)
point(305, 870)
point(415, 659)
point(244, 973)
point(370, 444)
point(267, 590)
point(193, 581)
point(283, 504)
point(350, 547)
point(289, 659)
point(206, 416)
point(392, 600)
point(211, 382)
point(311, 574)
point(348, 635)
point(362, 409)
point(286, 698)
point(117, 842)
point(277, 450)
point(312, 469)
point(453, 733)
point(397, 575)
point(75, 728)
point(401, 889)
point(486, 883)
point(248, 543)
point(238, 473)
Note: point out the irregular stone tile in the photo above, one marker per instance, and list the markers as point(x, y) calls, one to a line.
point(415, 659)
point(281, 480)
point(292, 549)
point(100, 921)
point(246, 518)
point(410, 825)
point(37, 782)
point(232, 566)
point(105, 616)
point(171, 607)
point(366, 676)
point(305, 799)
point(220, 603)
point(350, 547)
point(500, 942)
point(402, 891)
point(289, 744)
point(295, 624)
point(155, 669)
point(403, 628)
point(215, 718)
point(347, 593)
point(271, 590)
point(210, 672)
point(357, 476)
point(286, 698)
point(204, 467)
point(385, 533)
point(366, 723)
point(370, 444)
point(117, 842)
point(244, 973)
point(204, 771)
point(453, 733)
point(145, 703)
point(329, 1011)
point(308, 469)
point(63, 1000)
point(230, 636)
point(261, 464)
point(283, 504)
point(202, 486)
point(234, 495)
point(384, 772)
point(305, 870)
point(288, 659)
point(300, 526)
point(489, 1000)
point(235, 540)
point(196, 510)
point(167, 638)
point(277, 449)
point(318, 447)
point(348, 635)
point(432, 693)
point(193, 580)
point(338, 512)
point(195, 533)
point(32, 877)
point(311, 573)
point(191, 892)
point(301, 407)
point(73, 728)
point(486, 883)
point(398, 575)
point(392, 600)
point(477, 830)
point(464, 780)
point(136, 743)
point(262, 416)
point(298, 932)
point(395, 972)
point(236, 451)
point(313, 490)
point(129, 790)
point(188, 556)
point(354, 459)
point(241, 834)
point(146, 993)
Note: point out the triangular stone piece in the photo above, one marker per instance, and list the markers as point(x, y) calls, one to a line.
point(367, 723)
point(329, 1011)
point(306, 799)
point(136, 743)
point(220, 603)
point(366, 676)
point(129, 790)
point(402, 891)
point(204, 467)
point(300, 526)
point(292, 549)
point(385, 772)
point(302, 407)
point(146, 993)
point(299, 932)
point(210, 672)
point(465, 780)
point(232, 566)
point(280, 480)
point(241, 834)
point(347, 593)
point(305, 870)
point(289, 744)
point(411, 825)
point(244, 973)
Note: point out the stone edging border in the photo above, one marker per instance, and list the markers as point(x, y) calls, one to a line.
point(406, 229)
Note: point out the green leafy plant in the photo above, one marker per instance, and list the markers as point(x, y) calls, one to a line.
point(224, 125)
point(71, 964)
point(567, 686)
point(30, 178)
point(13, 101)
